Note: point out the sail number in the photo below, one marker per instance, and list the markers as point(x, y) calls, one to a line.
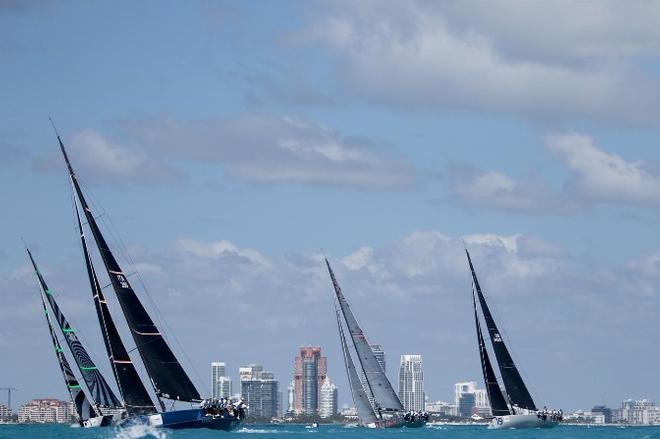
point(122, 281)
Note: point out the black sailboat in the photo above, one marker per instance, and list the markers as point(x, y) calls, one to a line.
point(89, 415)
point(166, 374)
point(515, 408)
point(387, 410)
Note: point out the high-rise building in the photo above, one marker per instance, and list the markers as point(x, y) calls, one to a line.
point(220, 382)
point(260, 390)
point(291, 394)
point(328, 399)
point(464, 387)
point(309, 371)
point(469, 400)
point(411, 382)
point(466, 405)
point(45, 411)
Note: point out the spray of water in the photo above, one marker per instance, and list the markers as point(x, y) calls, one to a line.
point(139, 431)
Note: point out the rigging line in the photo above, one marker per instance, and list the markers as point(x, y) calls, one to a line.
point(162, 320)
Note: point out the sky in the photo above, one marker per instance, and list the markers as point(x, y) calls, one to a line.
point(228, 146)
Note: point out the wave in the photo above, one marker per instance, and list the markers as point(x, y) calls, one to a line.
point(139, 431)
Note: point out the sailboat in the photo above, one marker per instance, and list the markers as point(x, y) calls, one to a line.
point(100, 413)
point(167, 377)
point(386, 410)
point(515, 407)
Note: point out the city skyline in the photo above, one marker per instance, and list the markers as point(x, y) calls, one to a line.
point(222, 158)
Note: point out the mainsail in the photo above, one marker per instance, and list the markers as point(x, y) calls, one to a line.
point(101, 392)
point(498, 404)
point(80, 401)
point(165, 371)
point(135, 395)
point(384, 396)
point(513, 383)
point(364, 409)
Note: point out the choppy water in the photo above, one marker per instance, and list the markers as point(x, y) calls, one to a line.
point(330, 431)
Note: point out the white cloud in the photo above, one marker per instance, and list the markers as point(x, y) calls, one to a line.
point(603, 177)
point(474, 188)
point(269, 148)
point(411, 55)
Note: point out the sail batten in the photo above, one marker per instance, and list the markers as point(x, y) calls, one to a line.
point(136, 398)
point(516, 390)
point(101, 393)
point(385, 398)
point(166, 373)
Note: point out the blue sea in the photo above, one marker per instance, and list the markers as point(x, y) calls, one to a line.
point(330, 431)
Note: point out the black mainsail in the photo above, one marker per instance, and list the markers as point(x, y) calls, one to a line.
point(385, 398)
point(101, 393)
point(498, 404)
point(135, 395)
point(365, 411)
point(80, 401)
point(167, 375)
point(513, 383)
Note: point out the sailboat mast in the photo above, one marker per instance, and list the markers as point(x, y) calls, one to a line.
point(378, 384)
point(364, 409)
point(517, 392)
point(166, 373)
point(135, 395)
point(101, 393)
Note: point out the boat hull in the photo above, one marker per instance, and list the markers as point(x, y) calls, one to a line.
point(398, 422)
point(184, 419)
point(97, 421)
point(521, 421)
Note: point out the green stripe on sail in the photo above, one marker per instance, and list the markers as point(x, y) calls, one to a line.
point(88, 368)
point(75, 386)
point(67, 330)
point(47, 291)
point(59, 350)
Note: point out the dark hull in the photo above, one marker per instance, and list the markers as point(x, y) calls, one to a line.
point(184, 419)
point(397, 422)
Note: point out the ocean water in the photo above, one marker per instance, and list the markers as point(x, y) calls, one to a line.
point(329, 431)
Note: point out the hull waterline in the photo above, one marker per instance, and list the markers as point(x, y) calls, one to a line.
point(521, 421)
point(184, 419)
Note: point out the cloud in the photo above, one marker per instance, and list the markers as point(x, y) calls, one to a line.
point(102, 159)
point(276, 149)
point(474, 188)
point(411, 55)
point(604, 177)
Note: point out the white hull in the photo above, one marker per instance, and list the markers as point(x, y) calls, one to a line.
point(521, 421)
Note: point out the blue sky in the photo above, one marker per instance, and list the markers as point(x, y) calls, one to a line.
point(228, 142)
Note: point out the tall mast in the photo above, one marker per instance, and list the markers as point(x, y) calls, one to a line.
point(102, 394)
point(513, 382)
point(167, 375)
point(135, 395)
point(498, 404)
point(379, 386)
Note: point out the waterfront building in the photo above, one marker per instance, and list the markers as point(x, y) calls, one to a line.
point(639, 412)
point(328, 402)
point(411, 382)
point(466, 405)
point(309, 371)
point(45, 411)
point(441, 408)
point(464, 387)
point(260, 391)
point(220, 382)
point(5, 413)
point(603, 410)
